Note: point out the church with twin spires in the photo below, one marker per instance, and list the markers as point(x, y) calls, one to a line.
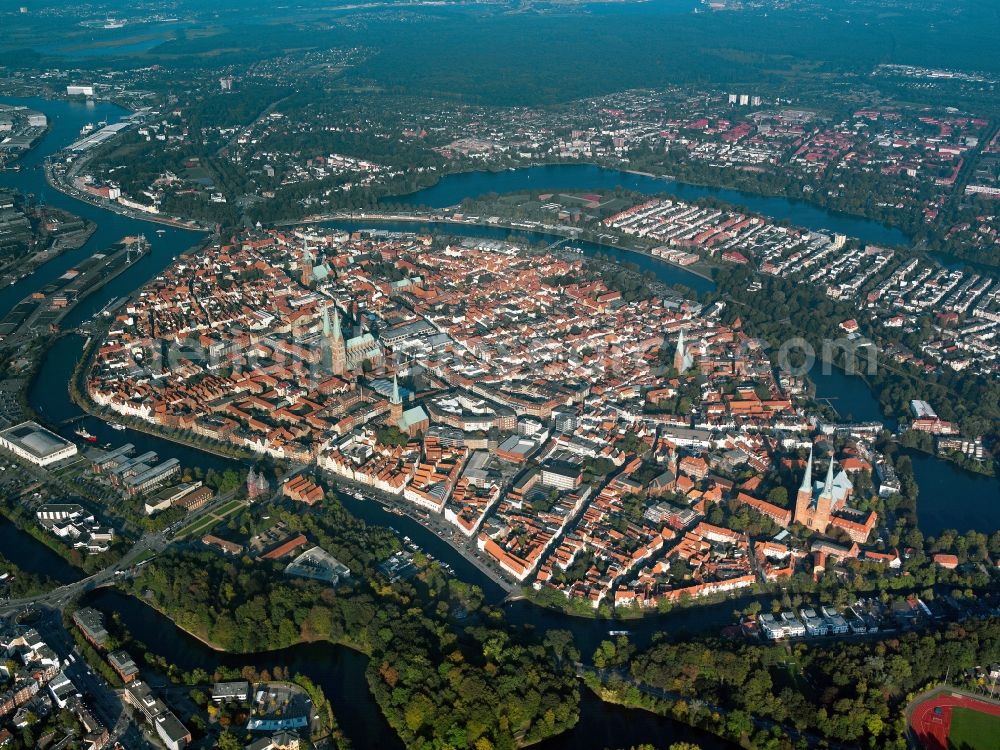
point(818, 505)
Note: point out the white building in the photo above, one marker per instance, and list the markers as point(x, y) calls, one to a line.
point(34, 443)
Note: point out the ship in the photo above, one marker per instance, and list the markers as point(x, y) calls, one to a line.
point(82, 433)
point(88, 128)
point(116, 426)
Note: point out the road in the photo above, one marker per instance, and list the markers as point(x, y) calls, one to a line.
point(103, 701)
point(446, 532)
point(155, 542)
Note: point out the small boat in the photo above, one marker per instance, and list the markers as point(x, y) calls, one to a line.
point(81, 432)
point(116, 426)
point(619, 632)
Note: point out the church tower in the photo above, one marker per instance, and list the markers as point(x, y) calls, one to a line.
point(334, 339)
point(307, 264)
point(814, 508)
point(395, 403)
point(803, 499)
point(824, 502)
point(680, 354)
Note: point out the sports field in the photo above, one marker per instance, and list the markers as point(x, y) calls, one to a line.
point(948, 720)
point(972, 730)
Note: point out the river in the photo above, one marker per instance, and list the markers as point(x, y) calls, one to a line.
point(339, 671)
point(65, 120)
point(31, 556)
point(454, 188)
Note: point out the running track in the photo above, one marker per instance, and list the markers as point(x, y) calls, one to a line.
point(932, 728)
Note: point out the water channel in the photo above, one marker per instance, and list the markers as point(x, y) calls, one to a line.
point(338, 670)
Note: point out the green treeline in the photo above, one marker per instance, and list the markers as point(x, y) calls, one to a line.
point(445, 670)
point(843, 692)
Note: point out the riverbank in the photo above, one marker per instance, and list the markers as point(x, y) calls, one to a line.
point(728, 192)
point(702, 270)
point(408, 510)
point(80, 396)
point(33, 555)
point(453, 187)
point(983, 468)
point(19, 268)
point(51, 544)
point(190, 225)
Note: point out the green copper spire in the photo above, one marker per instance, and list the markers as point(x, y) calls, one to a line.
point(807, 478)
point(395, 399)
point(828, 484)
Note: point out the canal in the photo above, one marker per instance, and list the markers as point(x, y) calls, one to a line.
point(340, 672)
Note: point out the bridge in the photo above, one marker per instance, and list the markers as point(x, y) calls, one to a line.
point(155, 542)
point(70, 420)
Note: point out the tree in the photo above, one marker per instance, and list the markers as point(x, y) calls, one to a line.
point(228, 741)
point(778, 496)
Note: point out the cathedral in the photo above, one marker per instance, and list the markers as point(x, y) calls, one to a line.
point(816, 503)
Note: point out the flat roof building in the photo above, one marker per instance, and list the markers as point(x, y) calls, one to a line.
point(231, 691)
point(318, 564)
point(34, 443)
point(91, 624)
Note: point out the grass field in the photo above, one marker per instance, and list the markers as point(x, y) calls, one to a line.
point(972, 730)
point(202, 525)
point(143, 556)
point(228, 508)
